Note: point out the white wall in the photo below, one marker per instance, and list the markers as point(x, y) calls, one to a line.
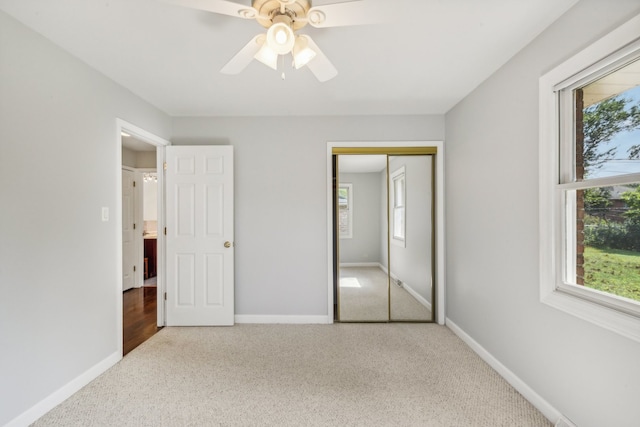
point(138, 159)
point(589, 374)
point(364, 246)
point(128, 157)
point(146, 159)
point(281, 241)
point(384, 213)
point(58, 263)
point(150, 201)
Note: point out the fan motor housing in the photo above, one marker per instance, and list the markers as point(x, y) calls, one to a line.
point(267, 9)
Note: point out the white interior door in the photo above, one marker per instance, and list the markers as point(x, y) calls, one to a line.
point(128, 237)
point(200, 253)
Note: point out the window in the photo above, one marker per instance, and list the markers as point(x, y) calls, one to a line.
point(398, 207)
point(345, 210)
point(590, 183)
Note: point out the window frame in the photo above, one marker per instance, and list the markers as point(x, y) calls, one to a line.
point(399, 175)
point(600, 308)
point(349, 187)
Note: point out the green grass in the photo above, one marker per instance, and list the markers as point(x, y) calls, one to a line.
point(614, 271)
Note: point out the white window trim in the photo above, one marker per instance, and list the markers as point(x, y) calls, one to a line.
point(349, 188)
point(614, 46)
point(395, 240)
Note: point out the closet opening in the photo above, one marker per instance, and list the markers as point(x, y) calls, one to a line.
point(385, 233)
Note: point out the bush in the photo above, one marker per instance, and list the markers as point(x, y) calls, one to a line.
point(603, 234)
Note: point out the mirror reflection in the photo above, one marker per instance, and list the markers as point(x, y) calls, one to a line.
point(362, 196)
point(410, 236)
point(384, 218)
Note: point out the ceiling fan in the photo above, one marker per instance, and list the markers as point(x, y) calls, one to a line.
point(282, 18)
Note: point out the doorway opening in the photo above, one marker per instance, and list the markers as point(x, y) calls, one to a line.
point(139, 241)
point(140, 312)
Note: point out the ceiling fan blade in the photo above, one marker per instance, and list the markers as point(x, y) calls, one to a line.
point(241, 59)
point(320, 65)
point(357, 12)
point(222, 7)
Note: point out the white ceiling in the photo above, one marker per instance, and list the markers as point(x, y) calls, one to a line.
point(426, 57)
point(135, 144)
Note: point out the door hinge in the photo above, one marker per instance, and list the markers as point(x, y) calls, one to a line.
point(134, 225)
point(164, 165)
point(134, 183)
point(165, 296)
point(134, 268)
point(165, 231)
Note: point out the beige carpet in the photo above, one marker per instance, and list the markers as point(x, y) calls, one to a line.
point(299, 375)
point(364, 297)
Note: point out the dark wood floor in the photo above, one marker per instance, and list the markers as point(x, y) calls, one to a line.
point(139, 317)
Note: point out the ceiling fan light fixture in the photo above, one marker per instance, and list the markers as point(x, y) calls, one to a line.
point(280, 37)
point(267, 56)
point(247, 13)
point(302, 53)
point(317, 17)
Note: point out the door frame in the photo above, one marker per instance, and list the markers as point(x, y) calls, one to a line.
point(160, 144)
point(438, 220)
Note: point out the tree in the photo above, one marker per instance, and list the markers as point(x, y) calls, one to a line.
point(597, 200)
point(632, 200)
point(602, 122)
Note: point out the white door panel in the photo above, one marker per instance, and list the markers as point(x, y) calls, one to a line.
point(199, 183)
point(128, 237)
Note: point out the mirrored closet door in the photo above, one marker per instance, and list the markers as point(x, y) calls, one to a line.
point(383, 234)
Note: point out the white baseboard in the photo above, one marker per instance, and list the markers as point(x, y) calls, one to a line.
point(408, 288)
point(359, 264)
point(534, 398)
point(283, 319)
point(63, 393)
point(416, 295)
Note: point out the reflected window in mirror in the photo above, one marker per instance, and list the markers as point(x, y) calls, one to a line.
point(398, 198)
point(345, 209)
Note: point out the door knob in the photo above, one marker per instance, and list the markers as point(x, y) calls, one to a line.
point(227, 244)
